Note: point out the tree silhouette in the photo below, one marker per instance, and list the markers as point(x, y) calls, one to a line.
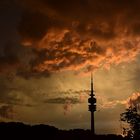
point(132, 117)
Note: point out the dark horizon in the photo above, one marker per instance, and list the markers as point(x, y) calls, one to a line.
point(16, 130)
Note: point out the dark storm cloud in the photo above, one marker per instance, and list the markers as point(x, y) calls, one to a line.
point(63, 100)
point(14, 57)
point(9, 57)
point(34, 25)
point(71, 35)
point(9, 17)
point(28, 74)
point(17, 60)
point(62, 32)
point(101, 17)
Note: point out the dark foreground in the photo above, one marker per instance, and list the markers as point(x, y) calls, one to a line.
point(44, 132)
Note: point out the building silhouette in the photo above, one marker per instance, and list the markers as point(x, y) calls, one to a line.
point(92, 106)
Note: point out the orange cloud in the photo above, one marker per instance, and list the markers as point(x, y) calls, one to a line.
point(134, 100)
point(81, 35)
point(67, 50)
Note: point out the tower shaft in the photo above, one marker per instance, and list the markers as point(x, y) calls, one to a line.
point(92, 106)
point(92, 123)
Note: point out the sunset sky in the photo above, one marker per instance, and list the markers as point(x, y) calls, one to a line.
point(48, 49)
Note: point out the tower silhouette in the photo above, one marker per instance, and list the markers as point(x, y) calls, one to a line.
point(92, 106)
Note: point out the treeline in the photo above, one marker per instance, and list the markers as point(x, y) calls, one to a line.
point(13, 130)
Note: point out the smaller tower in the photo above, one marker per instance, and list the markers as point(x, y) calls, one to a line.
point(92, 106)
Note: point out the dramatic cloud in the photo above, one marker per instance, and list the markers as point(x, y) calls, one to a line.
point(73, 96)
point(66, 101)
point(62, 100)
point(69, 52)
point(9, 59)
point(134, 100)
point(34, 26)
point(80, 35)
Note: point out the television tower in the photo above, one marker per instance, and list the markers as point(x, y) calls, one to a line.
point(92, 106)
